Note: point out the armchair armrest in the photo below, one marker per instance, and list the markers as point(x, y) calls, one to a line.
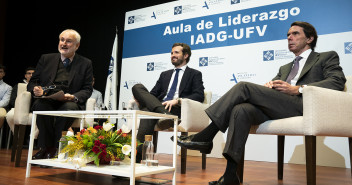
point(193, 116)
point(327, 112)
point(90, 105)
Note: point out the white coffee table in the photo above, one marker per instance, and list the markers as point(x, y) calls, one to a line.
point(132, 171)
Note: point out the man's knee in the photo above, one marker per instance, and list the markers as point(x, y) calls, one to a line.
point(138, 87)
point(69, 106)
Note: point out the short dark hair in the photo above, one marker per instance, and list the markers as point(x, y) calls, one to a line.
point(2, 67)
point(29, 69)
point(309, 31)
point(186, 49)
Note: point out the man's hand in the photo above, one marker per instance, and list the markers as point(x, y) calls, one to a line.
point(269, 84)
point(69, 97)
point(169, 104)
point(38, 91)
point(284, 87)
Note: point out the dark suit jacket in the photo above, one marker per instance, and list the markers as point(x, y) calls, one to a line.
point(191, 85)
point(321, 69)
point(80, 76)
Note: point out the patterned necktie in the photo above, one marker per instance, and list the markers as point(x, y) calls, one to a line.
point(294, 70)
point(66, 62)
point(172, 91)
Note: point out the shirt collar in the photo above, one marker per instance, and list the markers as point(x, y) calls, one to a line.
point(183, 68)
point(71, 58)
point(306, 53)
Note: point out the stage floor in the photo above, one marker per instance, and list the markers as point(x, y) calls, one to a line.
point(255, 173)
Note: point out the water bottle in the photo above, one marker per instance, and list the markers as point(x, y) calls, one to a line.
point(148, 152)
point(62, 144)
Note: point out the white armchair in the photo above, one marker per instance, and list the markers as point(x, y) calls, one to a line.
point(193, 119)
point(21, 116)
point(326, 112)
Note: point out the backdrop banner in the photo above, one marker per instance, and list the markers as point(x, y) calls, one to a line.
point(233, 41)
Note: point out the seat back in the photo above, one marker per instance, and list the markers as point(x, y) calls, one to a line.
point(207, 97)
point(22, 87)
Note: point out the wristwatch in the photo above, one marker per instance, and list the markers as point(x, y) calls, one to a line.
point(75, 99)
point(300, 89)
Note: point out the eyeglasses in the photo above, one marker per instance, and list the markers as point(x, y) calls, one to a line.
point(45, 88)
point(48, 87)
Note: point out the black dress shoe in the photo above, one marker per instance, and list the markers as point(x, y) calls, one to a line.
point(222, 182)
point(186, 142)
point(50, 153)
point(40, 154)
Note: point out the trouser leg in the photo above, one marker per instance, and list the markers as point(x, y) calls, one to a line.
point(63, 123)
point(144, 98)
point(273, 103)
point(45, 124)
point(243, 116)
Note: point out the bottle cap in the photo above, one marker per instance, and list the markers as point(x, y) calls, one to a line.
point(148, 137)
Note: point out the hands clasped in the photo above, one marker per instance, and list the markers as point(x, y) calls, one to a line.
point(283, 86)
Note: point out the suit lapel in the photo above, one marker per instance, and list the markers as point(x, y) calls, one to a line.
point(54, 69)
point(312, 58)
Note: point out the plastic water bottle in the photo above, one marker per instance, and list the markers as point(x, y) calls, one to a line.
point(148, 152)
point(62, 144)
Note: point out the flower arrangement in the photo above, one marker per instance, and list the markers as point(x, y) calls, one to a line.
point(99, 144)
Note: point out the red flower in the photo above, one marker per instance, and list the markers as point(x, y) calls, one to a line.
point(118, 131)
point(82, 131)
point(101, 137)
point(97, 143)
point(98, 127)
point(96, 149)
point(102, 154)
point(124, 134)
point(103, 146)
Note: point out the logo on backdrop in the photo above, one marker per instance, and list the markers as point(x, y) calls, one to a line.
point(242, 76)
point(131, 20)
point(234, 78)
point(178, 10)
point(205, 5)
point(150, 66)
point(235, 1)
point(153, 16)
point(268, 55)
point(348, 47)
point(126, 85)
point(210, 61)
point(130, 83)
point(203, 61)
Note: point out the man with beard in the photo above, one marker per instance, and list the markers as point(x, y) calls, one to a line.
point(165, 97)
point(64, 71)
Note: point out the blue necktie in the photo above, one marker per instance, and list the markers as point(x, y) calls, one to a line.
point(294, 70)
point(66, 62)
point(172, 91)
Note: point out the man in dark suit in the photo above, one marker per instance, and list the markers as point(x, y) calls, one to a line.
point(64, 71)
point(248, 104)
point(165, 97)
